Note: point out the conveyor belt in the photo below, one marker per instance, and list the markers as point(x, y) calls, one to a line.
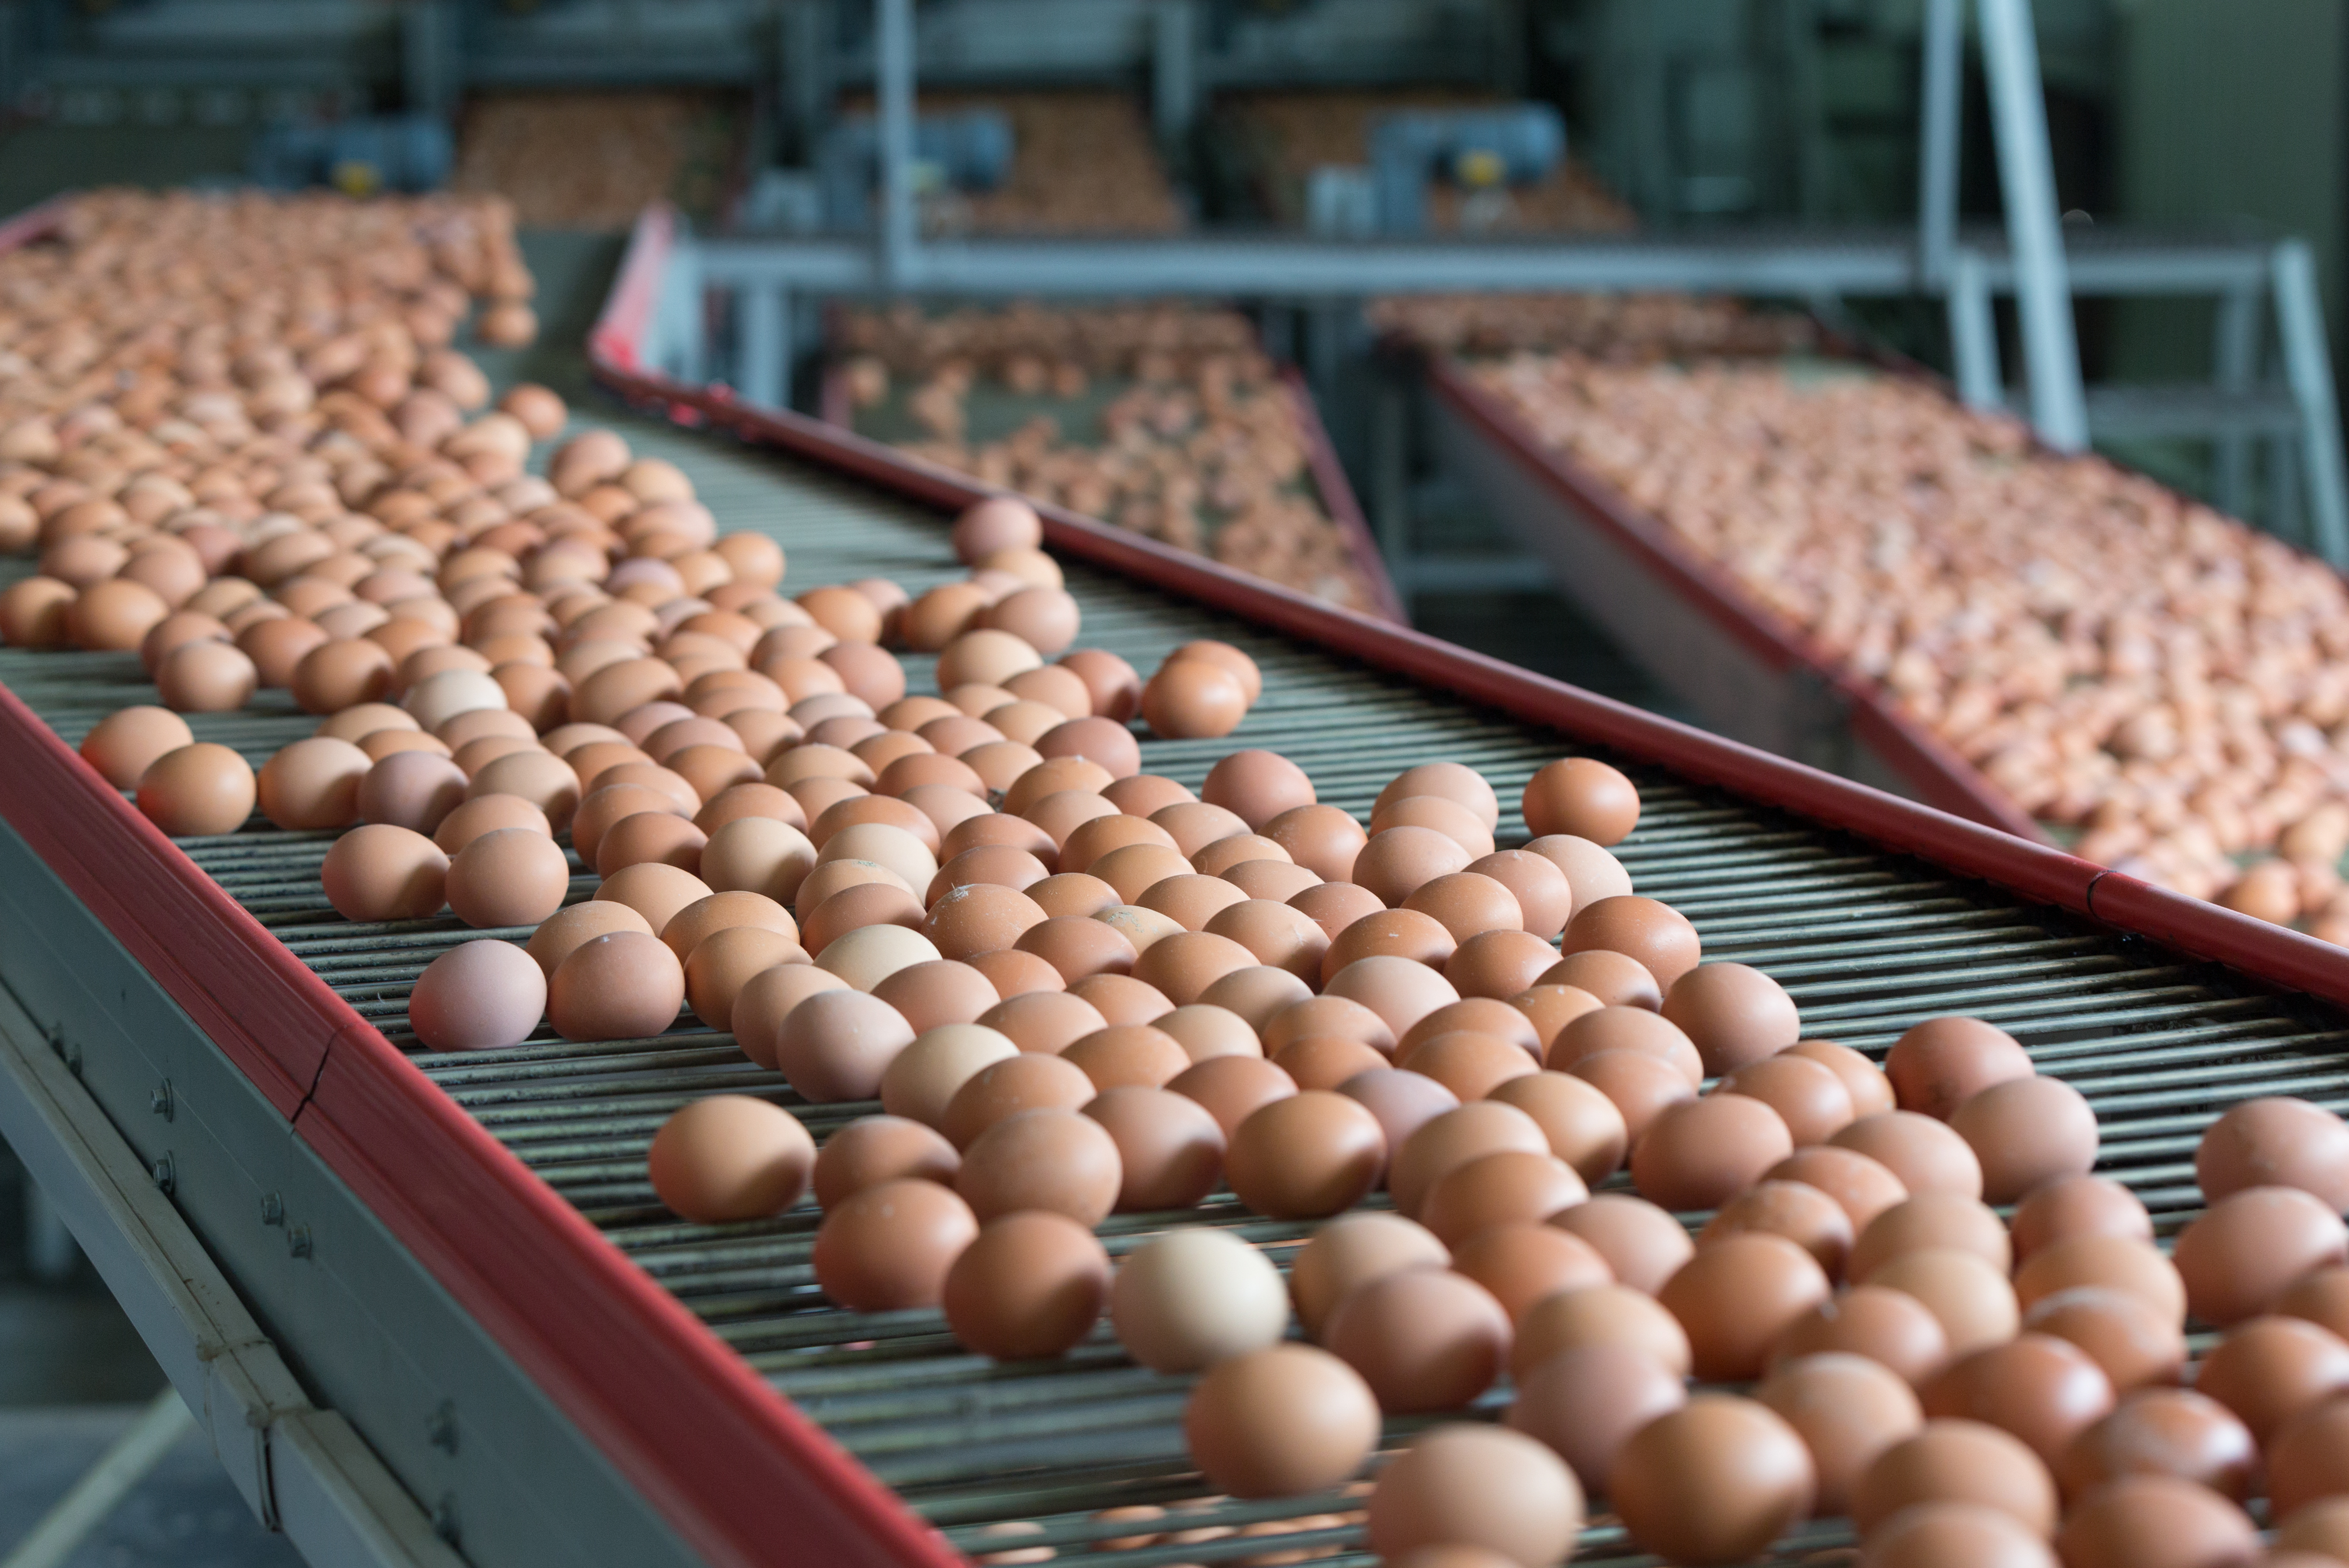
point(1867, 942)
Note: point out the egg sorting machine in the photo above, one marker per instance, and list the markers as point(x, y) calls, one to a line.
point(426, 1306)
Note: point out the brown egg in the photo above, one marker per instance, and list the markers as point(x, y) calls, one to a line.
point(1047, 1158)
point(1802, 1215)
point(1399, 990)
point(1847, 1410)
point(1582, 1124)
point(1585, 1403)
point(2119, 1332)
point(1455, 1138)
point(1698, 1153)
point(1017, 974)
point(1957, 1461)
point(1305, 1155)
point(1809, 1098)
point(1887, 1326)
point(1644, 1245)
point(1923, 1153)
point(2027, 1132)
point(937, 993)
point(1351, 1250)
point(2044, 1390)
point(1114, 685)
point(2271, 1370)
point(1954, 1535)
point(1869, 1089)
point(2275, 1142)
point(1424, 1338)
point(2319, 1529)
point(725, 961)
point(1972, 1299)
point(2163, 1431)
point(1735, 1015)
point(1631, 1029)
point(1395, 863)
point(1322, 839)
point(1865, 1187)
point(731, 1157)
point(2322, 1297)
point(1232, 1087)
point(1714, 1481)
point(1195, 1296)
point(1403, 1101)
point(1582, 796)
point(384, 873)
point(2246, 1249)
point(2115, 1262)
point(1191, 699)
point(836, 1045)
point(1327, 1061)
point(1737, 1296)
point(1943, 1061)
point(621, 985)
point(566, 929)
point(1598, 1315)
point(126, 742)
point(1469, 1063)
point(411, 789)
point(1659, 936)
point(1054, 735)
point(1025, 1082)
point(1281, 1421)
point(1543, 898)
point(477, 996)
point(312, 783)
point(1128, 1053)
point(656, 891)
point(1522, 1262)
point(1170, 1150)
point(1470, 1485)
point(511, 876)
point(1616, 979)
point(873, 1149)
point(1507, 1187)
point(889, 1247)
point(114, 615)
point(206, 677)
point(1124, 1000)
point(2156, 1522)
point(1498, 964)
point(1466, 904)
point(1931, 1220)
point(339, 673)
point(1334, 905)
point(197, 790)
point(2077, 1206)
point(921, 1080)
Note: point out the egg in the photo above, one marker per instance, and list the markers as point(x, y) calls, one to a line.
point(1865, 1187)
point(385, 872)
point(1305, 1155)
point(1230, 1088)
point(1031, 1285)
point(1190, 1298)
point(1205, 1030)
point(2040, 1388)
point(1808, 1097)
point(1659, 936)
point(1932, 1219)
point(1802, 1215)
point(1612, 979)
point(2245, 1250)
point(1047, 1158)
point(1869, 1090)
point(1972, 1299)
point(1501, 1187)
point(1397, 862)
point(1582, 1124)
point(2272, 1370)
point(1887, 1326)
point(1472, 1485)
point(1644, 1245)
point(889, 1247)
point(2274, 1141)
point(1585, 1403)
point(1737, 1296)
point(478, 996)
point(1701, 1153)
point(1521, 1262)
point(731, 1157)
point(1955, 1535)
point(122, 746)
point(1598, 1315)
point(2119, 1262)
point(206, 677)
point(1847, 1410)
point(873, 1149)
point(566, 929)
point(620, 986)
point(2155, 1522)
point(1923, 1153)
point(1170, 1150)
point(1581, 796)
point(2134, 1345)
point(511, 876)
point(2163, 1431)
point(1735, 1015)
point(1940, 1062)
point(197, 790)
point(1714, 1481)
point(1026, 1081)
point(655, 891)
point(1279, 1422)
point(1957, 1461)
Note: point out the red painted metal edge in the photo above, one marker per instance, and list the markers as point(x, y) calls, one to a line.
point(734, 1467)
point(2211, 931)
point(1936, 771)
point(1338, 499)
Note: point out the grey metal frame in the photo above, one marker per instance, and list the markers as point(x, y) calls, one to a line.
point(358, 1407)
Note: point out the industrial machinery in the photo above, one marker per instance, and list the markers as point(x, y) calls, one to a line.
point(970, 150)
point(407, 153)
point(427, 1304)
point(1483, 152)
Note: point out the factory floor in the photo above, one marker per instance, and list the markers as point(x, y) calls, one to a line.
point(73, 1374)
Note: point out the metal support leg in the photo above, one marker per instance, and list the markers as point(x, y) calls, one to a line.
point(50, 1250)
point(1937, 181)
point(2051, 349)
point(1390, 479)
point(1973, 334)
point(431, 56)
point(2235, 355)
point(2308, 367)
point(766, 348)
point(892, 70)
point(1173, 69)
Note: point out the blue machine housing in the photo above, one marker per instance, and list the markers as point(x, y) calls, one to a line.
point(1505, 144)
point(968, 151)
point(403, 152)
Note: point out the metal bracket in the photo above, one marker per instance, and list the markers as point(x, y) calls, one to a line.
point(301, 1469)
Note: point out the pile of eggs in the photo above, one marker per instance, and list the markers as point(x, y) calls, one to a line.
point(2112, 656)
point(1204, 452)
point(1616, 327)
